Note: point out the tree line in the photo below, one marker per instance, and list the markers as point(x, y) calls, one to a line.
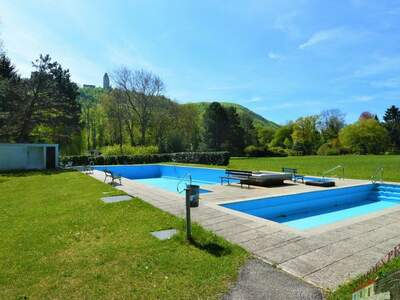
point(136, 116)
point(328, 134)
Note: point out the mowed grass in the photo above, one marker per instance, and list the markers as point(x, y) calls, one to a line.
point(356, 166)
point(59, 241)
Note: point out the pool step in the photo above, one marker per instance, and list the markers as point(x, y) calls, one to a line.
point(389, 188)
point(388, 198)
point(389, 194)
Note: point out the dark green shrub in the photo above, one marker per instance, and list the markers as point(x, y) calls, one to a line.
point(209, 158)
point(255, 151)
point(276, 152)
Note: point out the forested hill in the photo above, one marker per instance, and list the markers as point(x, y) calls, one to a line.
point(257, 119)
point(90, 94)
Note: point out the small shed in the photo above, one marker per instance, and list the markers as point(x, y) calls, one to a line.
point(28, 156)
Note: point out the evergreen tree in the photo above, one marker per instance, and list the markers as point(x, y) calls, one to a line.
point(234, 132)
point(392, 124)
point(10, 98)
point(215, 126)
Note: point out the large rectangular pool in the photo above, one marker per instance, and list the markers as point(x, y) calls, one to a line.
point(167, 177)
point(314, 209)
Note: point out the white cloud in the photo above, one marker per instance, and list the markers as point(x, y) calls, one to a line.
point(286, 23)
point(254, 99)
point(321, 36)
point(274, 56)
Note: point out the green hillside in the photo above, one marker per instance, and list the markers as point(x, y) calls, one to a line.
point(88, 95)
point(241, 110)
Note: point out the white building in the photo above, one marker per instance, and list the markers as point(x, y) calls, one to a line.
point(28, 156)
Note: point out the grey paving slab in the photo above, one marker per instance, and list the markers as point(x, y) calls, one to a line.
point(164, 234)
point(114, 199)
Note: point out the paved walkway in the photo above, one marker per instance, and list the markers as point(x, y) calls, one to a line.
point(259, 281)
point(325, 258)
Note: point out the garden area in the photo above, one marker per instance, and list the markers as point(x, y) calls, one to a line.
point(60, 241)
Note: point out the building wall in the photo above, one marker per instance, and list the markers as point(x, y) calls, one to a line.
point(12, 157)
point(24, 156)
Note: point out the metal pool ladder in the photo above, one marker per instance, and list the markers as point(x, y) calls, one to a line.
point(330, 171)
point(182, 181)
point(377, 176)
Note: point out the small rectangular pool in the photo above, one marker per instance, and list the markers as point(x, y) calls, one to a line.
point(314, 209)
point(167, 177)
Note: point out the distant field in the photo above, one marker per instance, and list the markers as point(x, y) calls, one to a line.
point(356, 166)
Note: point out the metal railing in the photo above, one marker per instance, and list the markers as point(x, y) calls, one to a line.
point(182, 181)
point(378, 175)
point(330, 171)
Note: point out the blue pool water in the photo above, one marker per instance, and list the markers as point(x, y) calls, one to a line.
point(167, 177)
point(310, 210)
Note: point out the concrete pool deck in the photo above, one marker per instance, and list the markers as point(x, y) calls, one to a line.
point(326, 256)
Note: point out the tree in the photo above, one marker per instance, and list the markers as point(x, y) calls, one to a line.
point(234, 132)
point(265, 135)
point(366, 115)
point(115, 108)
point(366, 136)
point(215, 125)
point(330, 123)
point(10, 98)
point(283, 137)
point(392, 124)
point(249, 130)
point(306, 138)
point(139, 89)
point(41, 108)
point(49, 100)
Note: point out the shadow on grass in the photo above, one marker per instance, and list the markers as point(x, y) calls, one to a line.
point(212, 247)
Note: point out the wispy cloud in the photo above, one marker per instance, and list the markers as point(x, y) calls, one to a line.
point(287, 23)
point(254, 99)
point(274, 56)
point(321, 36)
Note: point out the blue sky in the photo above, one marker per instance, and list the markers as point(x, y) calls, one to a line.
point(282, 59)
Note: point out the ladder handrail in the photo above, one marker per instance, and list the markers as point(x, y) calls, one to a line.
point(378, 173)
point(334, 169)
point(182, 180)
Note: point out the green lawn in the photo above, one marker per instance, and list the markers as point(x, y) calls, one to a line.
point(356, 166)
point(58, 240)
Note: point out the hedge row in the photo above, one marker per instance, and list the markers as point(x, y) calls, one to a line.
point(209, 158)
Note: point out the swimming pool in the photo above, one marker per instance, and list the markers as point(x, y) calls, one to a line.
point(314, 209)
point(167, 177)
